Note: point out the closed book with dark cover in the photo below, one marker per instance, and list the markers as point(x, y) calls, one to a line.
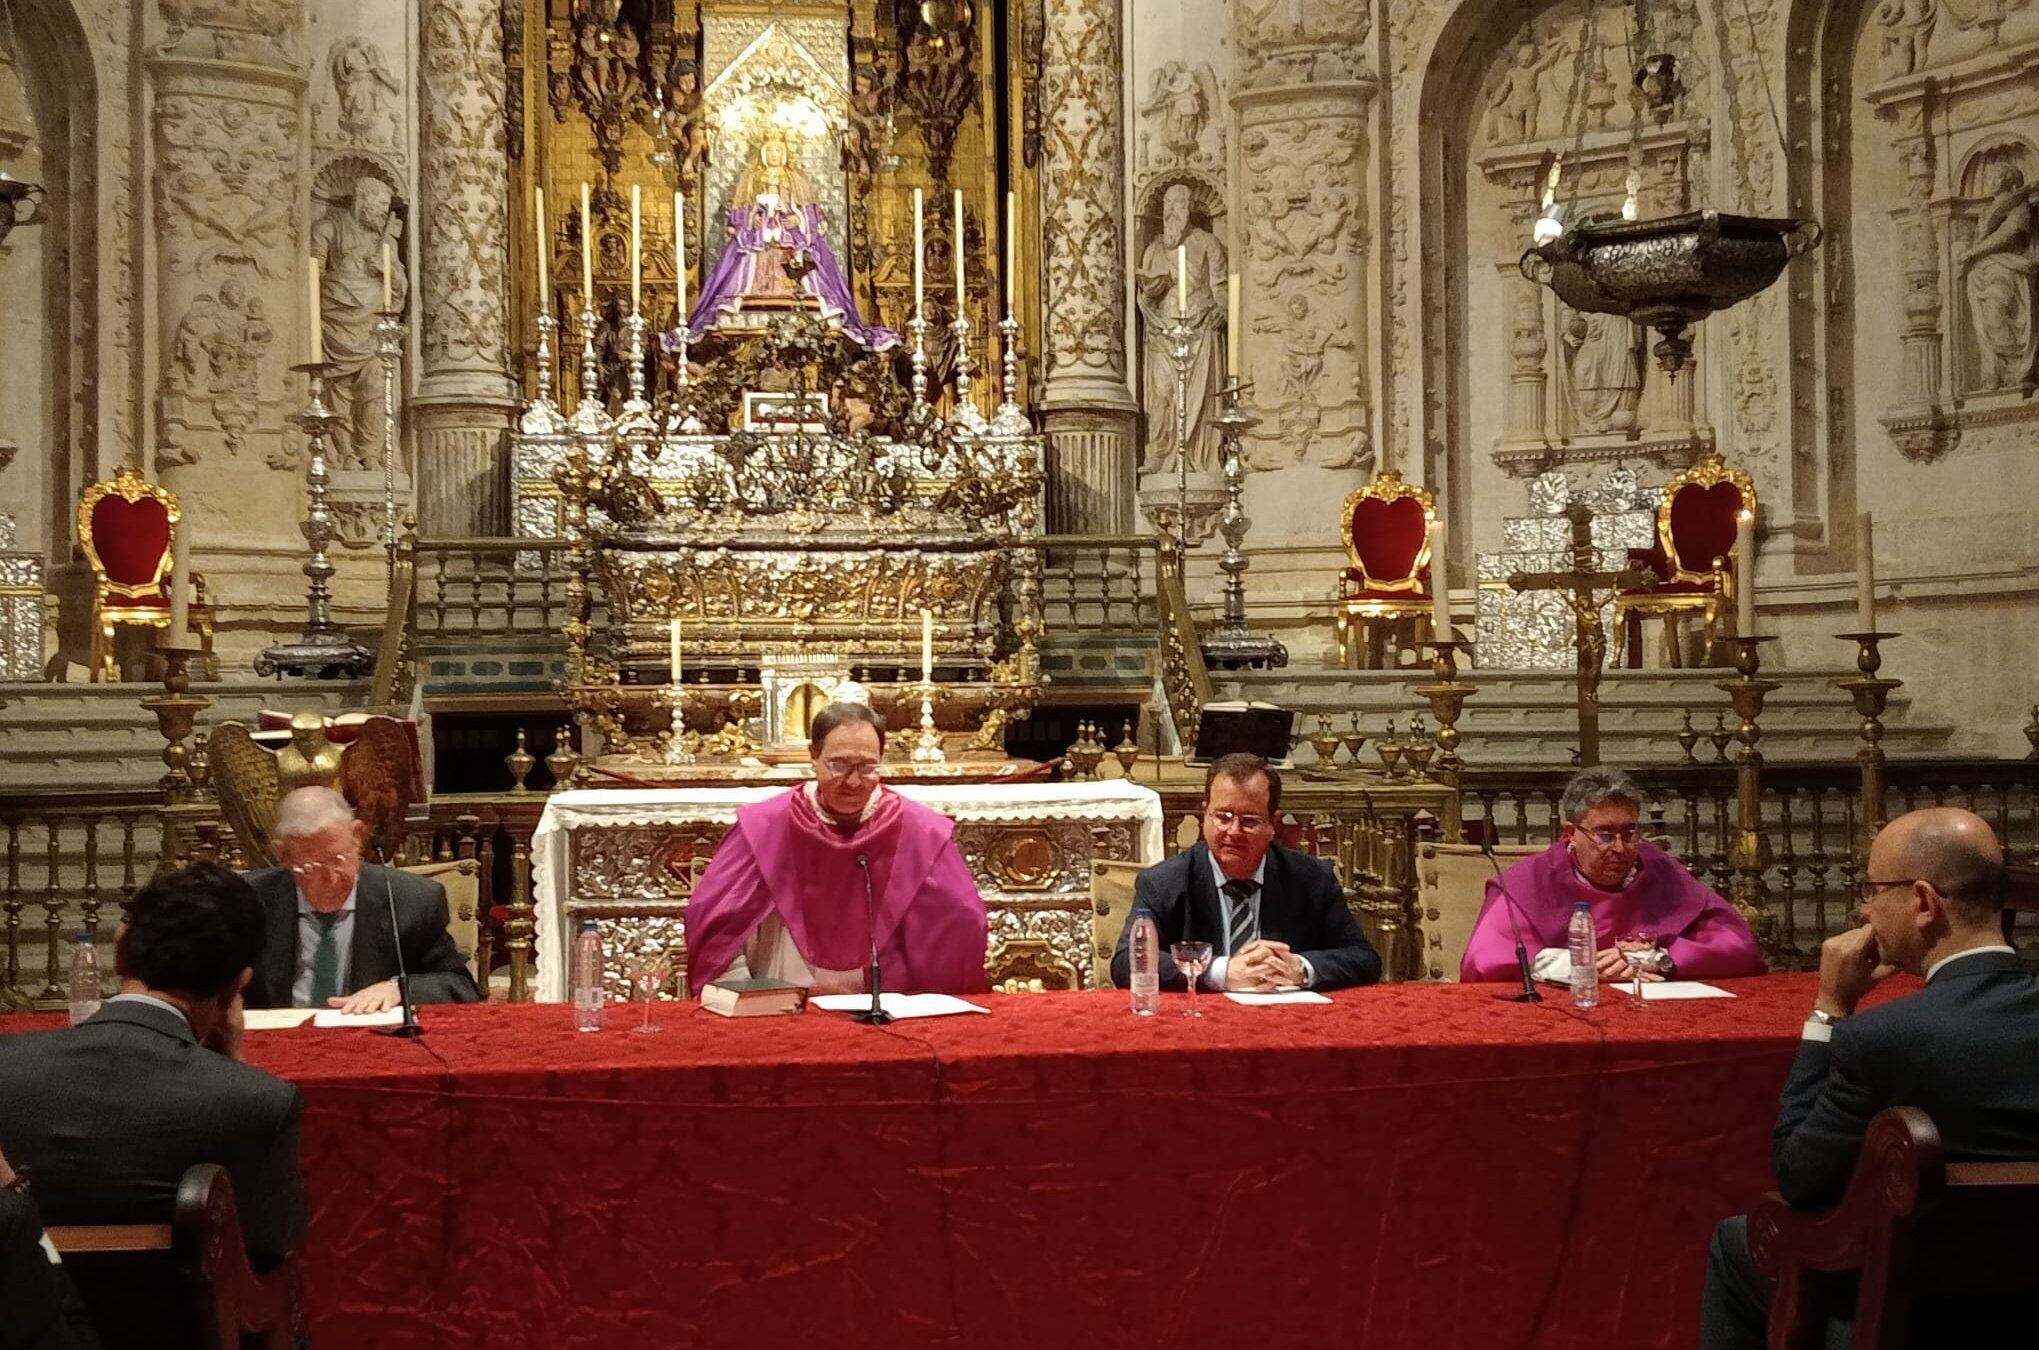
point(753, 998)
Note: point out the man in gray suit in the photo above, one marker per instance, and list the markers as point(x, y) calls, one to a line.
point(330, 942)
point(106, 1117)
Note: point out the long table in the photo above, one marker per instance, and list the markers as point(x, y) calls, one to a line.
point(1416, 1165)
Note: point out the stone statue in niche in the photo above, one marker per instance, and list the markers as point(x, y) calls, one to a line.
point(1603, 372)
point(1518, 93)
point(1998, 273)
point(1162, 305)
point(363, 85)
point(348, 242)
point(1907, 29)
point(1179, 107)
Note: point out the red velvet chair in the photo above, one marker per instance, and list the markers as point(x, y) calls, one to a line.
point(126, 525)
point(1387, 537)
point(1693, 559)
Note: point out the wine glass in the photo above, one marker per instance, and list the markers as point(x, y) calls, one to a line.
point(648, 972)
point(1194, 958)
point(1640, 951)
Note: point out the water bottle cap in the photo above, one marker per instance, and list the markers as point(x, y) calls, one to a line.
point(587, 925)
point(1578, 905)
point(82, 937)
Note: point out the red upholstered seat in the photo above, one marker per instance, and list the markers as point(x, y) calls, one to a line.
point(131, 538)
point(1387, 538)
point(126, 525)
point(1703, 522)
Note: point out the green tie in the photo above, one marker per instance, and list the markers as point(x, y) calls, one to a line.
point(325, 962)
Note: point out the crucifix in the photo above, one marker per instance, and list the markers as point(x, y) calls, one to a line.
point(1585, 589)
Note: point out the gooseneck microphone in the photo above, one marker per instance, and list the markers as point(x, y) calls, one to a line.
point(408, 1028)
point(875, 1014)
point(1528, 992)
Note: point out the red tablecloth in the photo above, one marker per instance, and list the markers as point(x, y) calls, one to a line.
point(1410, 1166)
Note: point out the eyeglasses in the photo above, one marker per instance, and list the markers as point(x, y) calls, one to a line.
point(1868, 889)
point(1606, 835)
point(1228, 819)
point(853, 768)
point(335, 862)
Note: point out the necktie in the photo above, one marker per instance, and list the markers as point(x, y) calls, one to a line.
point(325, 961)
point(1240, 891)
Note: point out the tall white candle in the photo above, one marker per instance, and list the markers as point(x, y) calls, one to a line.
point(1182, 278)
point(919, 247)
point(587, 255)
point(543, 240)
point(1011, 247)
point(673, 642)
point(1865, 576)
point(927, 646)
point(636, 248)
point(680, 253)
point(1440, 590)
point(317, 344)
point(180, 586)
point(962, 295)
point(388, 265)
point(1235, 333)
point(1745, 575)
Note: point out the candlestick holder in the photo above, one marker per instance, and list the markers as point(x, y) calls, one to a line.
point(543, 417)
point(177, 711)
point(1010, 419)
point(683, 421)
point(1446, 695)
point(966, 414)
point(1181, 335)
point(636, 418)
point(1231, 645)
point(679, 742)
point(590, 418)
point(927, 742)
point(916, 332)
point(1752, 848)
point(389, 348)
point(322, 651)
point(1870, 695)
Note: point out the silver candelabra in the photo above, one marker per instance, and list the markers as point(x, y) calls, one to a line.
point(1232, 644)
point(966, 414)
point(916, 329)
point(1010, 419)
point(543, 417)
point(389, 335)
point(636, 408)
point(590, 418)
point(323, 651)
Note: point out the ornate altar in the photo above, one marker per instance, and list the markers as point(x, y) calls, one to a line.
point(629, 861)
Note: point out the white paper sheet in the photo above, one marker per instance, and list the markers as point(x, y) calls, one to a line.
point(1252, 998)
point(1675, 989)
point(276, 1019)
point(333, 1017)
point(901, 1006)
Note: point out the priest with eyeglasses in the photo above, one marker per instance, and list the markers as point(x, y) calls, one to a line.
point(784, 897)
point(1627, 883)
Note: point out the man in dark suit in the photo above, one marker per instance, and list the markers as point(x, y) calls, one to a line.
point(330, 943)
point(1274, 917)
point(42, 1308)
point(105, 1117)
point(1965, 1049)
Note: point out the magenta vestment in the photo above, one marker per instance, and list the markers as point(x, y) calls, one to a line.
point(1707, 940)
point(781, 856)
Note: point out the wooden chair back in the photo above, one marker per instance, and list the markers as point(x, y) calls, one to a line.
point(462, 879)
point(1911, 1228)
point(1111, 904)
point(185, 1283)
point(2021, 896)
point(1451, 884)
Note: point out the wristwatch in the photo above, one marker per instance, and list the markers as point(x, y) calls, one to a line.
point(1822, 1016)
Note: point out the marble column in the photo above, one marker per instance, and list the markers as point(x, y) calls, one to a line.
point(466, 392)
point(1090, 415)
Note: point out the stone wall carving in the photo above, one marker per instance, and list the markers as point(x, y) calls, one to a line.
point(1182, 122)
point(366, 92)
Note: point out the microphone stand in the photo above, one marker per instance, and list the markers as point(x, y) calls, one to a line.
point(875, 1015)
point(1528, 993)
point(408, 1029)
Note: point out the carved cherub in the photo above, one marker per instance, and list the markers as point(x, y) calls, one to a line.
point(1512, 107)
point(864, 135)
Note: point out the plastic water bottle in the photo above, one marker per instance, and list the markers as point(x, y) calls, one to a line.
point(1584, 942)
point(587, 978)
point(1145, 952)
point(84, 979)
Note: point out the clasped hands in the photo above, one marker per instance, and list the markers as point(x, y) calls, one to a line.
point(1612, 965)
point(1263, 965)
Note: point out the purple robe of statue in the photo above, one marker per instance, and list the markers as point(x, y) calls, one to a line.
point(1707, 940)
point(782, 858)
point(760, 237)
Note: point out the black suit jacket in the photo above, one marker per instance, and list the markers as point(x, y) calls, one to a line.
point(1965, 1050)
point(1301, 903)
point(438, 975)
point(108, 1115)
point(41, 1309)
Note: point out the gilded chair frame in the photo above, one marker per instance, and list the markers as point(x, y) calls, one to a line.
point(1707, 472)
point(1363, 621)
point(108, 611)
point(1388, 486)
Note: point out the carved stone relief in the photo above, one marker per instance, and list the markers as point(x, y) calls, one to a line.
point(367, 94)
point(1181, 123)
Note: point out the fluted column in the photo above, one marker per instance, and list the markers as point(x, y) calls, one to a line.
point(1091, 418)
point(466, 394)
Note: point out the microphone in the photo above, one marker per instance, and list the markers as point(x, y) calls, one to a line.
point(409, 1028)
point(1529, 992)
point(875, 1014)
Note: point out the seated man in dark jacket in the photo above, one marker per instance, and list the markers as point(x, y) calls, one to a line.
point(39, 1310)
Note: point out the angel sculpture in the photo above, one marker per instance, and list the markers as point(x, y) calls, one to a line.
point(372, 761)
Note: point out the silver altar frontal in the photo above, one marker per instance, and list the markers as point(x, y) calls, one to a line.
point(629, 860)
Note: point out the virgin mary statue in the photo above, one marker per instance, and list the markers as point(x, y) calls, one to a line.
point(777, 254)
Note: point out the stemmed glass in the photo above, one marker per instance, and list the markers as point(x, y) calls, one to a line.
point(1640, 951)
point(1194, 958)
point(648, 972)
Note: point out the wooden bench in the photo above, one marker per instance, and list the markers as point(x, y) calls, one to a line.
point(1911, 1227)
point(185, 1283)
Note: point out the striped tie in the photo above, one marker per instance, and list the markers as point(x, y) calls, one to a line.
point(1240, 891)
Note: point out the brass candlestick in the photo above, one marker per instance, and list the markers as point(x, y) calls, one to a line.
point(563, 760)
point(1870, 694)
point(177, 711)
point(1447, 696)
point(1688, 738)
point(520, 762)
point(1752, 853)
